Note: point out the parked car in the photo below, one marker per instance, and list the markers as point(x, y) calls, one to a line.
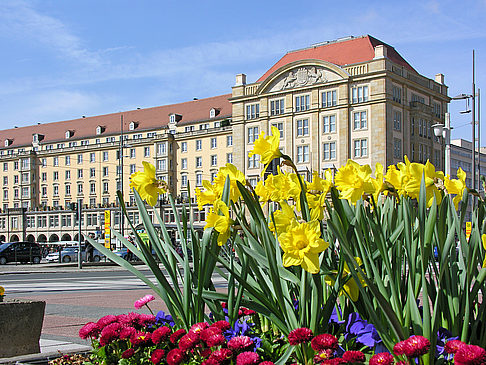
point(70, 254)
point(125, 254)
point(20, 252)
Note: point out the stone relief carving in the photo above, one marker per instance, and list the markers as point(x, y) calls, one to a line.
point(304, 76)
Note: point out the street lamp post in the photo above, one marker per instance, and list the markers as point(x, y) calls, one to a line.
point(445, 132)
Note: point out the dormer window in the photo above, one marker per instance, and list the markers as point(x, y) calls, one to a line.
point(69, 134)
point(37, 137)
point(213, 112)
point(8, 142)
point(132, 126)
point(174, 118)
point(100, 129)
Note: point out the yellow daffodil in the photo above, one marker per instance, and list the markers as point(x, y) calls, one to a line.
point(319, 184)
point(267, 147)
point(234, 175)
point(221, 223)
point(147, 186)
point(278, 187)
point(2, 291)
point(483, 238)
point(301, 245)
point(284, 218)
point(456, 186)
point(350, 287)
point(378, 180)
point(208, 195)
point(353, 180)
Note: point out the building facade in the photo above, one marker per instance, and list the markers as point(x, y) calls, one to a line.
point(350, 98)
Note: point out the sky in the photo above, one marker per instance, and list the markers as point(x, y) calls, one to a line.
point(65, 59)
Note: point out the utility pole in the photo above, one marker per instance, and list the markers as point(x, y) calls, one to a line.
point(473, 127)
point(80, 254)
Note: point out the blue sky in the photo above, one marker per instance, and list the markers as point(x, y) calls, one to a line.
point(65, 59)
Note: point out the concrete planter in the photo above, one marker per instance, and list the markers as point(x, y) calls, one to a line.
point(20, 327)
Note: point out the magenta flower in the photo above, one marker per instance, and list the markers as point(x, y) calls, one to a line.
point(300, 335)
point(90, 329)
point(240, 343)
point(470, 355)
point(143, 301)
point(247, 358)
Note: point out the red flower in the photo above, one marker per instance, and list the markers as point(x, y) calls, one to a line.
point(188, 341)
point(266, 363)
point(240, 343)
point(324, 342)
point(452, 346)
point(145, 319)
point(198, 327)
point(335, 361)
point(127, 332)
point(208, 332)
point(206, 353)
point(222, 325)
point(127, 353)
point(300, 335)
point(177, 335)
point(354, 356)
point(247, 358)
point(103, 321)
point(175, 357)
point(416, 346)
point(221, 355)
point(215, 340)
point(157, 356)
point(224, 304)
point(248, 312)
point(140, 338)
point(383, 358)
point(210, 361)
point(161, 334)
point(470, 355)
point(90, 329)
point(398, 349)
point(110, 333)
point(323, 355)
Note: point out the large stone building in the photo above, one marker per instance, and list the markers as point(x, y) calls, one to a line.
point(350, 98)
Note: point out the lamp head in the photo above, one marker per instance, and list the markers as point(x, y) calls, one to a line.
point(438, 128)
point(461, 96)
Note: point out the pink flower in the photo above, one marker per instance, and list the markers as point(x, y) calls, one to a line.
point(300, 335)
point(398, 349)
point(157, 356)
point(110, 333)
point(354, 356)
point(188, 341)
point(143, 301)
point(335, 361)
point(222, 325)
point(247, 358)
point(470, 355)
point(127, 332)
point(383, 358)
point(145, 320)
point(221, 355)
point(90, 329)
point(324, 342)
point(140, 338)
point(452, 346)
point(161, 334)
point(174, 338)
point(266, 363)
point(103, 321)
point(215, 340)
point(175, 357)
point(208, 332)
point(240, 343)
point(127, 353)
point(323, 355)
point(198, 327)
point(210, 361)
point(416, 346)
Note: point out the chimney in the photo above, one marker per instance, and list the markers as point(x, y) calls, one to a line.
point(240, 80)
point(439, 78)
point(380, 52)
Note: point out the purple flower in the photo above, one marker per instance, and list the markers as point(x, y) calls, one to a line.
point(364, 332)
point(443, 336)
point(161, 318)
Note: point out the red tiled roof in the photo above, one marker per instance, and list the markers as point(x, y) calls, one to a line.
point(147, 119)
point(346, 52)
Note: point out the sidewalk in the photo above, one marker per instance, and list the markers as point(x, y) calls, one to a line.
point(50, 349)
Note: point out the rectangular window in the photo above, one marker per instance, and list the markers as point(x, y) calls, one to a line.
point(80, 159)
point(397, 94)
point(329, 124)
point(214, 160)
point(68, 160)
point(329, 151)
point(80, 173)
point(302, 154)
point(360, 147)
point(80, 188)
point(105, 171)
point(133, 168)
point(198, 179)
point(55, 161)
point(397, 120)
point(412, 127)
point(229, 158)
point(252, 134)
point(16, 178)
point(198, 145)
point(161, 148)
point(279, 126)
point(56, 175)
point(214, 143)
point(5, 180)
point(16, 165)
point(92, 188)
point(184, 163)
point(67, 189)
point(229, 141)
point(420, 127)
point(5, 165)
point(252, 111)
point(105, 187)
point(397, 148)
point(329, 98)
point(437, 110)
point(132, 152)
point(146, 152)
point(359, 94)
point(67, 175)
point(25, 191)
point(360, 120)
point(302, 127)
point(162, 165)
point(198, 162)
point(184, 147)
point(183, 180)
point(105, 155)
point(302, 103)
point(253, 161)
point(277, 107)
point(92, 157)
point(92, 172)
